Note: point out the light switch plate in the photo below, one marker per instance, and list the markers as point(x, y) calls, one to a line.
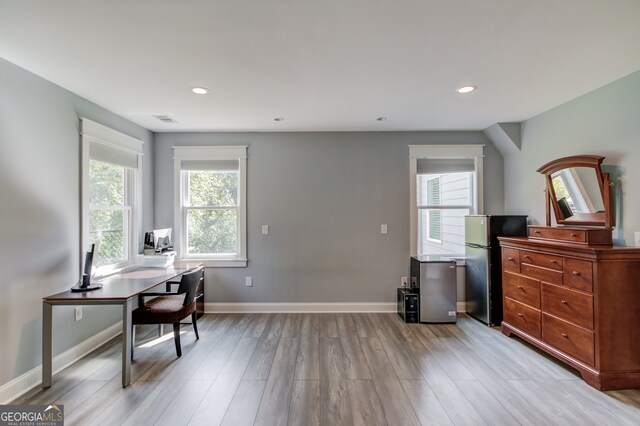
point(265, 229)
point(636, 239)
point(78, 313)
point(248, 281)
point(383, 228)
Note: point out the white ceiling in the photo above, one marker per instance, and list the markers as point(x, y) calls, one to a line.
point(324, 64)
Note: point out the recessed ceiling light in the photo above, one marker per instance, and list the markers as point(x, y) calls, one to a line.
point(200, 90)
point(381, 118)
point(466, 89)
point(278, 119)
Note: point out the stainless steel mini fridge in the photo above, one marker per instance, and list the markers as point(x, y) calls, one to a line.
point(483, 263)
point(434, 278)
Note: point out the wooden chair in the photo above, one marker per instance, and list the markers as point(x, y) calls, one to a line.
point(170, 308)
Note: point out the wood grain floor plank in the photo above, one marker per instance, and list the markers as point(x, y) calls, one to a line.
point(305, 403)
point(262, 359)
point(366, 409)
point(401, 361)
point(331, 365)
point(274, 407)
point(397, 408)
point(458, 408)
point(292, 325)
point(355, 378)
point(257, 326)
point(216, 359)
point(308, 359)
point(363, 325)
point(186, 402)
point(244, 405)
point(501, 389)
point(488, 406)
point(335, 403)
point(215, 403)
point(328, 325)
point(173, 382)
point(126, 402)
point(425, 403)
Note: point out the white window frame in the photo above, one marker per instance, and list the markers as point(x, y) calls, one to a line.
point(95, 133)
point(206, 153)
point(442, 152)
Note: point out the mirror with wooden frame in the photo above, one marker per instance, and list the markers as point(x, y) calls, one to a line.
point(578, 192)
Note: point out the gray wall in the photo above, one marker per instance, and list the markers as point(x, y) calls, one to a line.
point(603, 122)
point(324, 197)
point(40, 213)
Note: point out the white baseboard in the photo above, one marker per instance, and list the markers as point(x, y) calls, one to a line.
point(299, 307)
point(461, 307)
point(18, 386)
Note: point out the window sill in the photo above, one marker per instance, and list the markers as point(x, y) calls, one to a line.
point(218, 263)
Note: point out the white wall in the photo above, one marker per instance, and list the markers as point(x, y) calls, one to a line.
point(604, 122)
point(40, 213)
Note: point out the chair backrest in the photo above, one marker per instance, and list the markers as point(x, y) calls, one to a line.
point(189, 284)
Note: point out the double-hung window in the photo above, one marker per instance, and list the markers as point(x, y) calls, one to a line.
point(110, 195)
point(445, 187)
point(210, 216)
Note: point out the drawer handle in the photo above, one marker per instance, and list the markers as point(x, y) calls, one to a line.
point(526, 256)
point(520, 287)
point(520, 315)
point(565, 335)
point(574, 235)
point(564, 302)
point(510, 259)
point(537, 232)
point(554, 261)
point(576, 273)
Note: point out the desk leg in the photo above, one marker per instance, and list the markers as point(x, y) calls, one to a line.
point(126, 342)
point(46, 344)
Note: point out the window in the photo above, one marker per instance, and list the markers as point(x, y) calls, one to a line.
point(445, 187)
point(210, 220)
point(110, 196)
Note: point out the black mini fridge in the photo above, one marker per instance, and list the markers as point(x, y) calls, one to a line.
point(483, 263)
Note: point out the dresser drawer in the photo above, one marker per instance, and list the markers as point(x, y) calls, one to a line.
point(522, 317)
point(522, 289)
point(540, 273)
point(578, 274)
point(511, 259)
point(575, 235)
point(568, 338)
point(544, 260)
point(568, 305)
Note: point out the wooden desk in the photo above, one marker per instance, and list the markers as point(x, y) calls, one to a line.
point(119, 289)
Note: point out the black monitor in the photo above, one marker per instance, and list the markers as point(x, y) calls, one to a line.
point(88, 264)
point(85, 283)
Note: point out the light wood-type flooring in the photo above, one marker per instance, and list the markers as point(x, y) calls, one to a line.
point(332, 369)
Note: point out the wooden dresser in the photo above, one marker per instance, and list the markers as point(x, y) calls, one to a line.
point(577, 301)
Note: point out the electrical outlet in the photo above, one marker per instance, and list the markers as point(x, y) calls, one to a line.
point(383, 228)
point(248, 281)
point(403, 281)
point(78, 313)
point(265, 229)
point(636, 239)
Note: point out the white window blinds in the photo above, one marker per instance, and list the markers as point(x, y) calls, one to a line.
point(444, 165)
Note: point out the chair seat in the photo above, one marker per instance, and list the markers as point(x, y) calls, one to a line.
point(163, 310)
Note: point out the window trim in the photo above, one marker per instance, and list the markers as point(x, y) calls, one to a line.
point(200, 153)
point(96, 133)
point(442, 151)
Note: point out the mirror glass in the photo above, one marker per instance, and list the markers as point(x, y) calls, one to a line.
point(577, 191)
